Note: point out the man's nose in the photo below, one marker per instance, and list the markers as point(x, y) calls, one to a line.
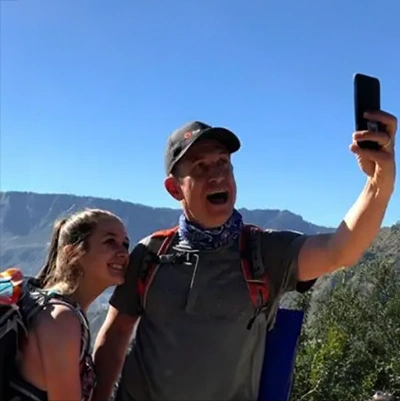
point(217, 177)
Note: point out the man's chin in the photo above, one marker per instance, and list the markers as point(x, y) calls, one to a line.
point(219, 216)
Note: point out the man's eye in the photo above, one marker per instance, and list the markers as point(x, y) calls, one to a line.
point(224, 163)
point(201, 167)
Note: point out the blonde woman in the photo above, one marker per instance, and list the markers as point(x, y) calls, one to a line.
point(89, 251)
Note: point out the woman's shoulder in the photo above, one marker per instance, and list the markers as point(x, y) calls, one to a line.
point(58, 324)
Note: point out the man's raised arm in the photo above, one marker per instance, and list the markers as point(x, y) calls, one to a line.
point(325, 253)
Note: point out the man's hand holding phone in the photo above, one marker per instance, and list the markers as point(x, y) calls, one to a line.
point(374, 139)
point(378, 164)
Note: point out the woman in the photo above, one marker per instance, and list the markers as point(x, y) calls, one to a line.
point(89, 252)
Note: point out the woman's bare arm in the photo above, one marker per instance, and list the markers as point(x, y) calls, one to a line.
point(59, 338)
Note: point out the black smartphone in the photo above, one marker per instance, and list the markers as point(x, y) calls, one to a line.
point(367, 97)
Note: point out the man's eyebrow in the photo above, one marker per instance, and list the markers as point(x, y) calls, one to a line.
point(202, 155)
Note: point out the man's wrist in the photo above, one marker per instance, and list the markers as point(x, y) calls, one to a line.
point(379, 190)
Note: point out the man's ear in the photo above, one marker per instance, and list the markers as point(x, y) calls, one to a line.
point(173, 187)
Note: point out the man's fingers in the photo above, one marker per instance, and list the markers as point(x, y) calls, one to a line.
point(372, 155)
point(382, 138)
point(385, 118)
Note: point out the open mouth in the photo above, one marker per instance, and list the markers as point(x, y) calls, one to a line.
point(218, 198)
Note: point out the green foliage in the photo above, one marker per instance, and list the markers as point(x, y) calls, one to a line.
point(351, 346)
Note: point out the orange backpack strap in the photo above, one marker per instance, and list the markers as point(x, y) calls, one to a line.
point(253, 269)
point(159, 243)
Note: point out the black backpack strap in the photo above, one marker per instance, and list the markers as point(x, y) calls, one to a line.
point(253, 273)
point(253, 252)
point(156, 253)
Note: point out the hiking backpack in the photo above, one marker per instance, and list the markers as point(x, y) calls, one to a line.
point(21, 299)
point(251, 263)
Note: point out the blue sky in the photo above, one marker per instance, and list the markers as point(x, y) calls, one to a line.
point(90, 91)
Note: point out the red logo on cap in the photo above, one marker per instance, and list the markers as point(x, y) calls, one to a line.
point(187, 135)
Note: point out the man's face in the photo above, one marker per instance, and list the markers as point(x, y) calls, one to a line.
point(204, 183)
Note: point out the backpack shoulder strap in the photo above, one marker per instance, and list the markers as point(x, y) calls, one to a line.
point(253, 269)
point(167, 233)
point(159, 244)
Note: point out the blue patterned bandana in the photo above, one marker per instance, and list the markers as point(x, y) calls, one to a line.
point(214, 238)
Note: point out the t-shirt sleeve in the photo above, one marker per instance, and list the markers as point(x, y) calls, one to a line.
point(280, 250)
point(125, 297)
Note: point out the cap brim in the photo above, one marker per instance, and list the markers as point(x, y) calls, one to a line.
point(222, 135)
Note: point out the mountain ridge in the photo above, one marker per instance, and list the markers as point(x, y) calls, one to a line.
point(162, 208)
point(26, 220)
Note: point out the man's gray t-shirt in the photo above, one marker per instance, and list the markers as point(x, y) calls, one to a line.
point(192, 341)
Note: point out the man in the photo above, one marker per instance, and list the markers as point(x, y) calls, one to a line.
point(191, 341)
